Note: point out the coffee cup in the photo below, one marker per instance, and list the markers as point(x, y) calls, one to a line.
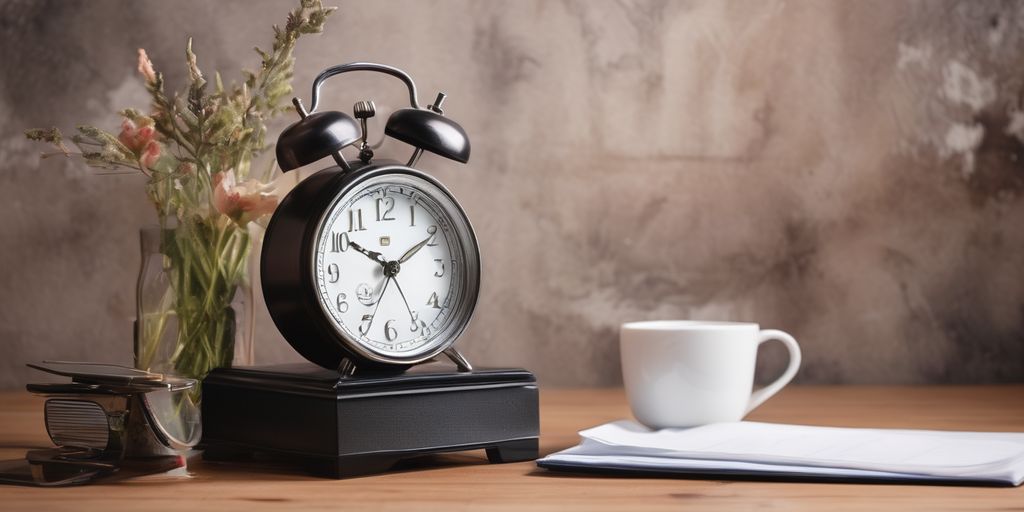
point(686, 373)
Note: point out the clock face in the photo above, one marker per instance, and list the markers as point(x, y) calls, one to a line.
point(396, 267)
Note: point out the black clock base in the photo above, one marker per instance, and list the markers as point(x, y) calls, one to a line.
point(367, 423)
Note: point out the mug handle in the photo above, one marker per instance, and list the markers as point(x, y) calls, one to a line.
point(758, 397)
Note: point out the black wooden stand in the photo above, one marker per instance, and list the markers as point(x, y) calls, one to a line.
point(364, 424)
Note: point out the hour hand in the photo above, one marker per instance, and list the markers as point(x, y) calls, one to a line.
point(375, 256)
point(409, 254)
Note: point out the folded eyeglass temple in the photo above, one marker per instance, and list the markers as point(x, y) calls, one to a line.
point(78, 424)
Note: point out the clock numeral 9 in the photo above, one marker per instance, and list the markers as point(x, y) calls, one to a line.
point(389, 330)
point(339, 242)
point(333, 273)
point(342, 305)
point(389, 204)
point(355, 220)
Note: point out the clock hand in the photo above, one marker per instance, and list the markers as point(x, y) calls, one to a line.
point(409, 254)
point(375, 308)
point(400, 292)
point(375, 256)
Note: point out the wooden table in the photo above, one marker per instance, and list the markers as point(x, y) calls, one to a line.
point(467, 482)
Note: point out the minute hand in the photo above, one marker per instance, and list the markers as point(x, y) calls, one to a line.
point(409, 254)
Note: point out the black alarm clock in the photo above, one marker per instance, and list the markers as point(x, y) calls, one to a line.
point(372, 265)
point(369, 268)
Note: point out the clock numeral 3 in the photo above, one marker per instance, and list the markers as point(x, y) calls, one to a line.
point(432, 301)
point(333, 273)
point(439, 273)
point(342, 305)
point(355, 220)
point(389, 204)
point(339, 242)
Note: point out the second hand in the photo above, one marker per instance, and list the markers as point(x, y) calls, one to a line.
point(400, 292)
point(379, 299)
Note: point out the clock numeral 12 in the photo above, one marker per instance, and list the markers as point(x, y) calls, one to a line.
point(355, 220)
point(389, 204)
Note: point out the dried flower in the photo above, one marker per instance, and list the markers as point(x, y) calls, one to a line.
point(242, 202)
point(146, 67)
point(196, 148)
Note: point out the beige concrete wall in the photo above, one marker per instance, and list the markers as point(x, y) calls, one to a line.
point(848, 171)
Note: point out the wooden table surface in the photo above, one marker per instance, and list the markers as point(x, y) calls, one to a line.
point(467, 482)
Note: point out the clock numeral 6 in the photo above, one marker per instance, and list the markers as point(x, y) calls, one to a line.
point(333, 273)
point(389, 330)
point(342, 305)
point(339, 242)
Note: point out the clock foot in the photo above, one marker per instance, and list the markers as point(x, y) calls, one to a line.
point(347, 368)
point(459, 360)
point(513, 451)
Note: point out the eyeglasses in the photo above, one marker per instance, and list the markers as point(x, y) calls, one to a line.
point(110, 420)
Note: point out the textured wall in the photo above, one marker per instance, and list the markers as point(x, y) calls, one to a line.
point(848, 171)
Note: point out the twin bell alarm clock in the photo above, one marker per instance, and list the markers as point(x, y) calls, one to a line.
point(371, 271)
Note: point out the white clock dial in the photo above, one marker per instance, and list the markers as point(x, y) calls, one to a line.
point(388, 266)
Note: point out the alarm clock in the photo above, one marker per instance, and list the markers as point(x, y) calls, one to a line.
point(371, 265)
point(369, 268)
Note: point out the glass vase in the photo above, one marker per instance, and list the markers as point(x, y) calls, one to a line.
point(193, 300)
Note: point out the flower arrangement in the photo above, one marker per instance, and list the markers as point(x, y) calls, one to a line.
point(196, 150)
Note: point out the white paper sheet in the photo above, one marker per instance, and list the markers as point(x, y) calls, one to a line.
point(778, 450)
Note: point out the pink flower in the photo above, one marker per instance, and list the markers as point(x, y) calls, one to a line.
point(141, 141)
point(243, 202)
point(146, 67)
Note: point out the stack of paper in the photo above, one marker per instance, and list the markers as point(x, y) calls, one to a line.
point(794, 451)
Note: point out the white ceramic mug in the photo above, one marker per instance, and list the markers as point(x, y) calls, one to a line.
point(688, 373)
